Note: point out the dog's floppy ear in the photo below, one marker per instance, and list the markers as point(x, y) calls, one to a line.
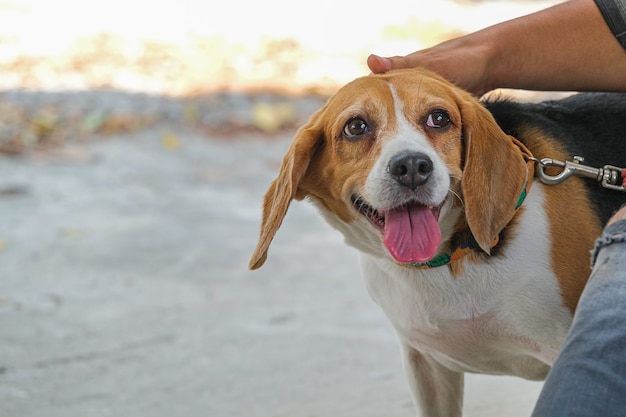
point(494, 174)
point(285, 187)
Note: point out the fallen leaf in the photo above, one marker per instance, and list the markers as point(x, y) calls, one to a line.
point(191, 113)
point(45, 121)
point(93, 121)
point(170, 142)
point(269, 117)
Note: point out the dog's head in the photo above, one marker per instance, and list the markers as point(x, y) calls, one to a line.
point(397, 162)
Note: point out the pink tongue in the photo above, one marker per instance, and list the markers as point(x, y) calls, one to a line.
point(412, 233)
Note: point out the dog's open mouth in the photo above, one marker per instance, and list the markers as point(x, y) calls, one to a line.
point(410, 232)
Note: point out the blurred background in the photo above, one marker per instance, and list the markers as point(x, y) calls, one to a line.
point(137, 139)
point(208, 63)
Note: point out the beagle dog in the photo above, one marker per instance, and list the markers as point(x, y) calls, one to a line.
point(478, 267)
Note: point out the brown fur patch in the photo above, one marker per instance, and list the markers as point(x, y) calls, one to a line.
point(566, 201)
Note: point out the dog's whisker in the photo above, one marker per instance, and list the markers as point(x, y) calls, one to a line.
point(458, 197)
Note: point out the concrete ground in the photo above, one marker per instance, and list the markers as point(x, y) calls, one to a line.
point(124, 291)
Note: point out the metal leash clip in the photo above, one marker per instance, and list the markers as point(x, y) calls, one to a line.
point(610, 176)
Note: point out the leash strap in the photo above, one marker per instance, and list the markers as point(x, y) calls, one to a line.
point(609, 176)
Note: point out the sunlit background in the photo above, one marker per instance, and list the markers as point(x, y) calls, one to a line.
point(190, 46)
point(205, 64)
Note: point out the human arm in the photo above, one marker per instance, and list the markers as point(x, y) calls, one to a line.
point(565, 47)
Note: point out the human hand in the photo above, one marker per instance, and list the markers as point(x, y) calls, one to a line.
point(463, 63)
point(532, 52)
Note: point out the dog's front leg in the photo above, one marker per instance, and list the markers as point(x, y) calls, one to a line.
point(437, 391)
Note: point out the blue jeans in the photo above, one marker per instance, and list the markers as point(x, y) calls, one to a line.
point(589, 375)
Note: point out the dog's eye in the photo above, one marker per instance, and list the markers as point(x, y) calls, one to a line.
point(438, 119)
point(355, 127)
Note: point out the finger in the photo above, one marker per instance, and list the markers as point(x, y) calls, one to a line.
point(378, 64)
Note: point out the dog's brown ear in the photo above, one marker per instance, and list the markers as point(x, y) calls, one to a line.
point(285, 187)
point(494, 174)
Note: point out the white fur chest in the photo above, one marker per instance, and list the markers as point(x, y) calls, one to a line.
point(497, 317)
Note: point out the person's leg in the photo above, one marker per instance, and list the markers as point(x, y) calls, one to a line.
point(589, 375)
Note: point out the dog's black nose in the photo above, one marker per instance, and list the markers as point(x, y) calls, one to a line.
point(411, 169)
